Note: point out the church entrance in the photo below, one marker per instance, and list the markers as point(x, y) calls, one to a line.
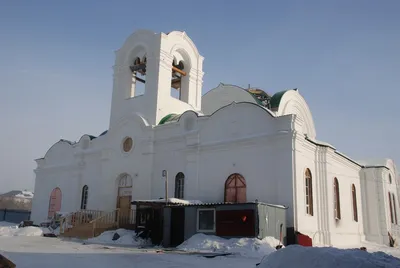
point(126, 214)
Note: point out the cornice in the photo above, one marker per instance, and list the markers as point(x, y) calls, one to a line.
point(342, 159)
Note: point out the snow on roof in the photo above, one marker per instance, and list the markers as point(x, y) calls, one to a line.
point(18, 194)
point(373, 162)
point(170, 200)
point(25, 194)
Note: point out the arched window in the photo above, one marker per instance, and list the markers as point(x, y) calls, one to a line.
point(336, 198)
point(54, 202)
point(309, 193)
point(390, 179)
point(178, 75)
point(235, 189)
point(138, 69)
point(394, 208)
point(179, 185)
point(84, 198)
point(354, 198)
point(391, 208)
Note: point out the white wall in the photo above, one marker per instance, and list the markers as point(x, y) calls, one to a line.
point(228, 142)
point(305, 153)
point(325, 164)
point(345, 231)
point(376, 214)
point(46, 181)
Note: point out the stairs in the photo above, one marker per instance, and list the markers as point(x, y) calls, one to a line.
point(86, 224)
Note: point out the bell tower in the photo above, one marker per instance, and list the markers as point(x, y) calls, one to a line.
point(147, 68)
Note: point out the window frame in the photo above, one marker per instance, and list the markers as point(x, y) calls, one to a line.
point(394, 209)
point(354, 202)
point(336, 199)
point(179, 186)
point(84, 197)
point(198, 220)
point(391, 208)
point(235, 177)
point(309, 202)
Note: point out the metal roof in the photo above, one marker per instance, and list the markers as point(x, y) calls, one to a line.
point(172, 204)
point(225, 204)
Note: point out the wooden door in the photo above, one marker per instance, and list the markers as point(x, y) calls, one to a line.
point(124, 205)
point(235, 189)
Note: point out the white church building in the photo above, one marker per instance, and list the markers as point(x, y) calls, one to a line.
point(229, 145)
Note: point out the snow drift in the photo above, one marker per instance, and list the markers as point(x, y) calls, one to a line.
point(250, 247)
point(326, 257)
point(126, 237)
point(9, 229)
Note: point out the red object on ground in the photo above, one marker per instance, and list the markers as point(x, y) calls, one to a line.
point(304, 240)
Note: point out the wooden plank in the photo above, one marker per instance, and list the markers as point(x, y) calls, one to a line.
point(140, 80)
point(178, 71)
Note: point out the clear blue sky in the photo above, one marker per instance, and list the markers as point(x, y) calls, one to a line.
point(56, 59)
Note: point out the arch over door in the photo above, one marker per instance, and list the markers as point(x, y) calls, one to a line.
point(235, 189)
point(55, 202)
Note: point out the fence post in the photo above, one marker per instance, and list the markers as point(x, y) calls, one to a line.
point(117, 217)
point(5, 213)
point(94, 228)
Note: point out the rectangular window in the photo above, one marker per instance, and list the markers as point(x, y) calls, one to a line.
point(394, 209)
point(391, 208)
point(206, 220)
point(307, 197)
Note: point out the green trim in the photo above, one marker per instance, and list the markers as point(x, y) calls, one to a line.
point(169, 118)
point(276, 98)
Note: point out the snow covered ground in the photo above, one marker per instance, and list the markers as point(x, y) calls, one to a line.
point(27, 248)
point(53, 252)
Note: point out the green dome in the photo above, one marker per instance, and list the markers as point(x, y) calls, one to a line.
point(276, 99)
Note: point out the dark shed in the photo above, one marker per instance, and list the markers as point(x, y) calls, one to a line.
point(181, 221)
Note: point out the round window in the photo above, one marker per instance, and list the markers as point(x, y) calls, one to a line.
point(127, 144)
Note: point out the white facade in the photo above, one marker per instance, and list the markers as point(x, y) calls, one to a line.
point(210, 137)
